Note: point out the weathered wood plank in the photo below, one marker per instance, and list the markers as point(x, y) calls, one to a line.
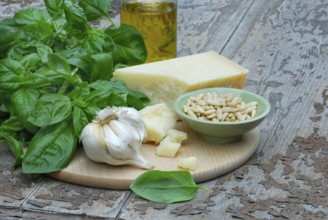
point(15, 186)
point(285, 53)
point(287, 72)
point(284, 44)
point(16, 214)
point(207, 25)
point(60, 197)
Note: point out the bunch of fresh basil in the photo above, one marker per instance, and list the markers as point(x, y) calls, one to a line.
point(55, 74)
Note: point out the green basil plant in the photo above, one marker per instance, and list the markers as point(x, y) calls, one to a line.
point(56, 73)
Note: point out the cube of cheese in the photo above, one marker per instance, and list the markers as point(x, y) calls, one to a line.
point(163, 81)
point(158, 120)
point(167, 147)
point(176, 135)
point(189, 163)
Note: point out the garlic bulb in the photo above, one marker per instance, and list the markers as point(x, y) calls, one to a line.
point(115, 137)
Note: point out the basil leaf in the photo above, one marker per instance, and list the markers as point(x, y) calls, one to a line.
point(15, 146)
point(12, 124)
point(23, 103)
point(11, 72)
point(51, 109)
point(73, 52)
point(165, 186)
point(31, 61)
point(80, 93)
point(31, 16)
point(18, 51)
point(101, 66)
point(95, 9)
point(6, 39)
point(104, 91)
point(10, 22)
point(137, 100)
point(40, 32)
point(5, 104)
point(58, 64)
point(98, 42)
point(108, 93)
point(80, 120)
point(103, 98)
point(55, 7)
point(117, 86)
point(54, 78)
point(130, 46)
point(51, 149)
point(91, 111)
point(76, 20)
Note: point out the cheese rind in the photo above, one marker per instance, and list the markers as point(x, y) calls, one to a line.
point(163, 81)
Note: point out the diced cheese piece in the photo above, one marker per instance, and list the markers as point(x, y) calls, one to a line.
point(176, 135)
point(189, 163)
point(158, 120)
point(167, 147)
point(163, 81)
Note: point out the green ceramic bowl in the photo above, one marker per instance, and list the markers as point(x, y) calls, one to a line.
point(223, 132)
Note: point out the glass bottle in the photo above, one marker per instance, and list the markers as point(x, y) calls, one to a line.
point(157, 22)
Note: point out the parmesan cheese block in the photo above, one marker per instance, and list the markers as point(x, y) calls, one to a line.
point(176, 135)
point(189, 163)
point(168, 147)
point(163, 81)
point(158, 119)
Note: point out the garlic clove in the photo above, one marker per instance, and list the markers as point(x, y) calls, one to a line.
point(136, 136)
point(139, 126)
point(127, 132)
point(139, 161)
point(92, 134)
point(93, 142)
point(121, 131)
point(116, 146)
point(133, 117)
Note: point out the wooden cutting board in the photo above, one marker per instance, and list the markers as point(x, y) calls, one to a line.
point(213, 160)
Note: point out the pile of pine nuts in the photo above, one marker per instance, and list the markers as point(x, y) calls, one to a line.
point(219, 108)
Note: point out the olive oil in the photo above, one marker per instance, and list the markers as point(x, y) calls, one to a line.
point(157, 22)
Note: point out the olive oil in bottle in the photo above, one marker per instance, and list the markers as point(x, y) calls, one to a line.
point(157, 22)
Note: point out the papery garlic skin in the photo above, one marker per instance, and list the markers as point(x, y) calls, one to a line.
point(115, 137)
point(94, 144)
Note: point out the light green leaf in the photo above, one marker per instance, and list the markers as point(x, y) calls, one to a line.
point(165, 186)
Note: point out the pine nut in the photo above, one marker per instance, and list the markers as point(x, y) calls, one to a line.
point(210, 112)
point(191, 113)
point(240, 116)
point(211, 116)
point(215, 107)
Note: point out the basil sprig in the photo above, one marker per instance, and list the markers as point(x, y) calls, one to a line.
point(56, 73)
point(165, 186)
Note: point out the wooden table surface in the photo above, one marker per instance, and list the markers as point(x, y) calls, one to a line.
point(284, 44)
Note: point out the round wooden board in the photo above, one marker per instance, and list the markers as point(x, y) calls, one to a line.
point(214, 160)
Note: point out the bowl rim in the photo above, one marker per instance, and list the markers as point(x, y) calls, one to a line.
point(185, 96)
